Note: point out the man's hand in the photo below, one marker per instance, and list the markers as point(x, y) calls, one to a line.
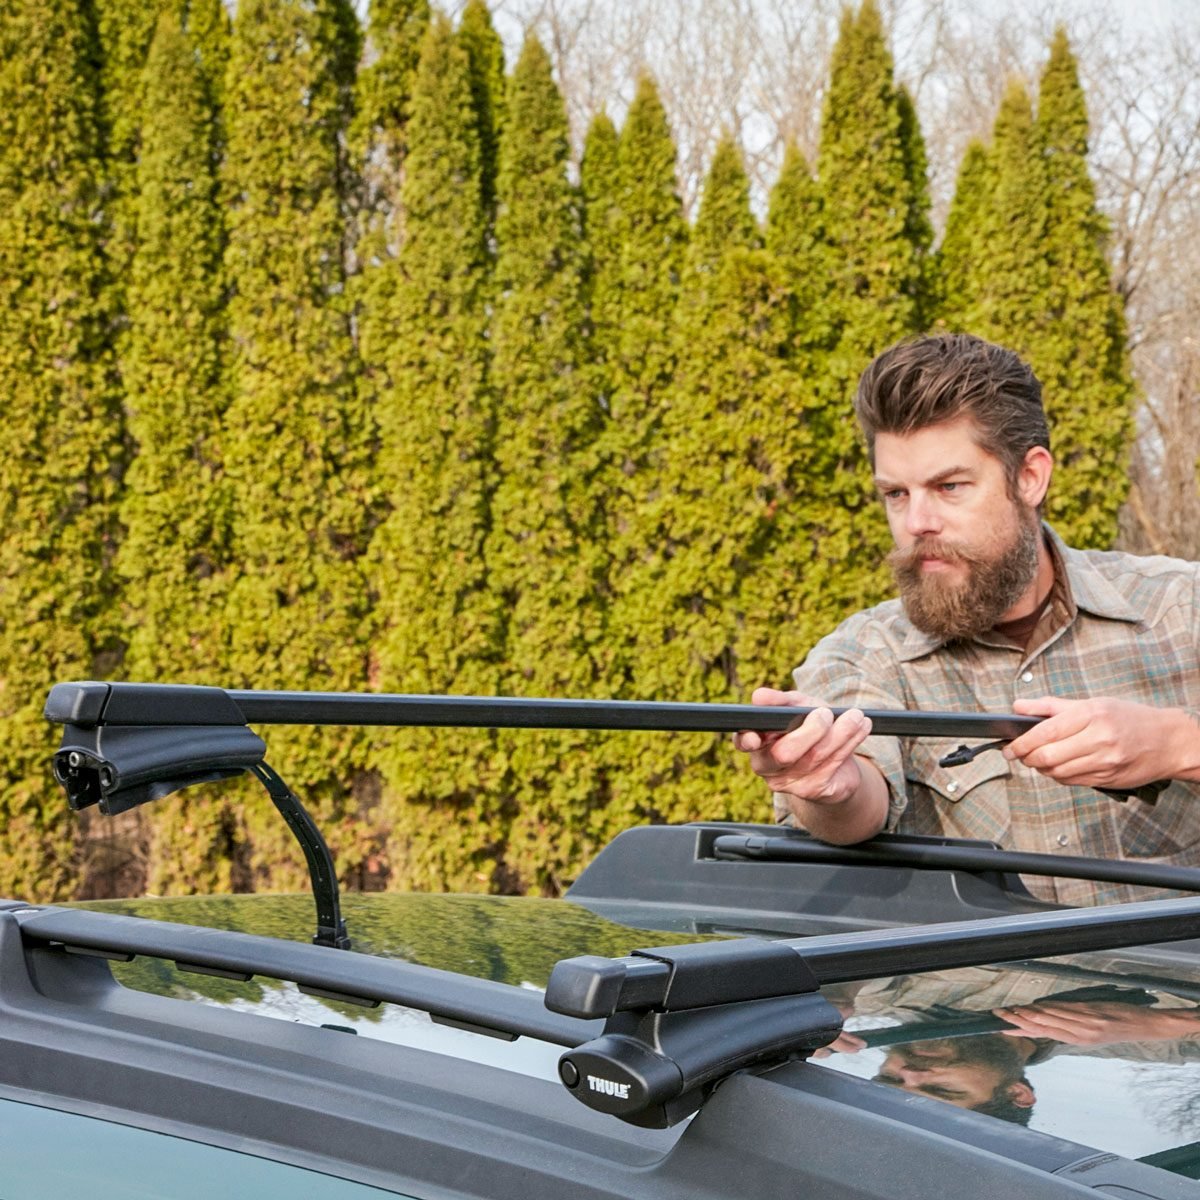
point(813, 762)
point(1106, 743)
point(1089, 1023)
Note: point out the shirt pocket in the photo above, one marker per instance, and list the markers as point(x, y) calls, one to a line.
point(953, 784)
point(970, 801)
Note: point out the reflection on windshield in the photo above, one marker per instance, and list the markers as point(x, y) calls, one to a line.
point(1090, 1053)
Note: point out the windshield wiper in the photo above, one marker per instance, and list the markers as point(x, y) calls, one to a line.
point(798, 847)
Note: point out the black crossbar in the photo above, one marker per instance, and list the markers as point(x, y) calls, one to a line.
point(164, 704)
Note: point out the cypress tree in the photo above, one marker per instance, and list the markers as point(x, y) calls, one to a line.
point(383, 101)
point(961, 251)
point(440, 626)
point(126, 31)
point(296, 435)
point(716, 475)
point(786, 607)
point(1084, 366)
point(545, 549)
point(485, 56)
point(652, 237)
point(871, 168)
point(60, 439)
point(599, 186)
point(873, 221)
point(175, 551)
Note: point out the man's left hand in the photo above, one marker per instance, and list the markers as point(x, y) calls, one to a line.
point(1106, 743)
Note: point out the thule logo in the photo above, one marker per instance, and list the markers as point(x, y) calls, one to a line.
point(608, 1087)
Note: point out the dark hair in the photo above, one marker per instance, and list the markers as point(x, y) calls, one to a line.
point(919, 383)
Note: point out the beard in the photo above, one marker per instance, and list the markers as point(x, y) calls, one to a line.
point(996, 573)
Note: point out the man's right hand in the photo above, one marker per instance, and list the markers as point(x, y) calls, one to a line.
point(815, 761)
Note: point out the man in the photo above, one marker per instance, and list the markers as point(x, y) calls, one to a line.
point(995, 614)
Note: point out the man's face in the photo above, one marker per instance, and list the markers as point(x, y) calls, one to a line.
point(966, 550)
point(948, 1072)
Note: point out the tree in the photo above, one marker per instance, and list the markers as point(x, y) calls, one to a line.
point(599, 185)
point(383, 102)
point(962, 252)
point(545, 550)
point(440, 626)
point(174, 557)
point(1084, 366)
point(870, 168)
point(652, 236)
point(61, 436)
point(485, 58)
point(719, 465)
point(296, 434)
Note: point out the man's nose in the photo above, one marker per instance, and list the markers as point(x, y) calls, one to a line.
point(920, 516)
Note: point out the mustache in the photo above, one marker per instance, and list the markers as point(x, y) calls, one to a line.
point(907, 559)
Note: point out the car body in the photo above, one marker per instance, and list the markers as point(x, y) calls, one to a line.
point(663, 1031)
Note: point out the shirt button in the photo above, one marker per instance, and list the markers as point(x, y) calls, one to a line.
point(952, 786)
point(1062, 839)
point(1027, 677)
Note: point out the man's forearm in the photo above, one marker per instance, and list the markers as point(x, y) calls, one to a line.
point(860, 816)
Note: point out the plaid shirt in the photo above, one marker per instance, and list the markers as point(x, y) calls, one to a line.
point(1117, 625)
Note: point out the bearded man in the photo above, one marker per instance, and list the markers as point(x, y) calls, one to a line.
point(995, 614)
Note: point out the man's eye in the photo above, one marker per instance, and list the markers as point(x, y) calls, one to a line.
point(893, 494)
point(950, 487)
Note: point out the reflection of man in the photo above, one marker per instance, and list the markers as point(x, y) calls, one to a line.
point(995, 614)
point(985, 1073)
point(938, 1045)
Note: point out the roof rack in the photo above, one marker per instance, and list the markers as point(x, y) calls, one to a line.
point(677, 1019)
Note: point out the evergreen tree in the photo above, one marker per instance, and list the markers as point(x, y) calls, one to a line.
point(545, 549)
point(717, 474)
point(599, 185)
point(60, 439)
point(1084, 366)
point(175, 551)
point(652, 238)
point(961, 253)
point(296, 435)
point(870, 165)
point(440, 625)
point(873, 219)
point(126, 31)
point(798, 586)
point(383, 102)
point(485, 55)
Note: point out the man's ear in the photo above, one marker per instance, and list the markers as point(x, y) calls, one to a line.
point(1033, 476)
point(1020, 1094)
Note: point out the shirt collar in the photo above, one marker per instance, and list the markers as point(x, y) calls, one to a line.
point(1082, 585)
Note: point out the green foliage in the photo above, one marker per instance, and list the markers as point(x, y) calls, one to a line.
point(125, 31)
point(721, 464)
point(872, 214)
point(60, 439)
point(174, 556)
point(296, 435)
point(1023, 265)
point(871, 169)
point(485, 58)
point(962, 250)
point(1085, 370)
point(545, 551)
point(383, 99)
point(440, 625)
point(600, 185)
